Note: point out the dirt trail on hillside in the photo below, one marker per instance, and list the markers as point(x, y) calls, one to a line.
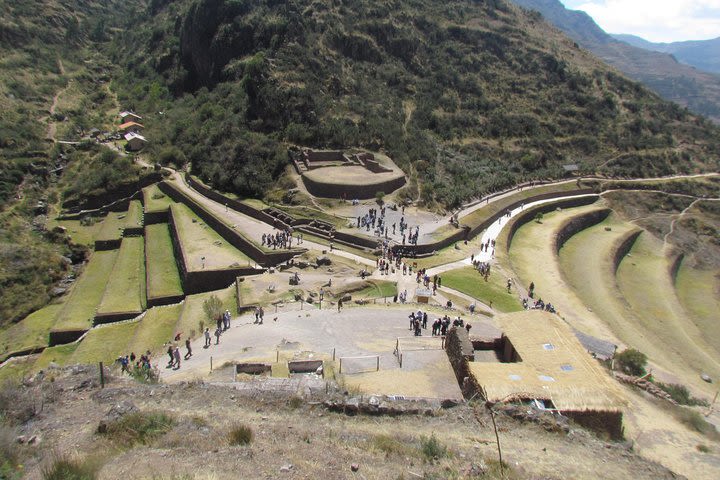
point(52, 124)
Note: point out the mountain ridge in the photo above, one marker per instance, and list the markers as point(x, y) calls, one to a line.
point(701, 54)
point(695, 89)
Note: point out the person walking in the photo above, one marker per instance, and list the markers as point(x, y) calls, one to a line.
point(262, 315)
point(340, 305)
point(171, 355)
point(176, 353)
point(218, 332)
point(207, 337)
point(189, 350)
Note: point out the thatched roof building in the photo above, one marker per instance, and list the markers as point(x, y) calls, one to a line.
point(540, 358)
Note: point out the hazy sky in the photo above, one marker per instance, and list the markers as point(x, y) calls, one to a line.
point(655, 20)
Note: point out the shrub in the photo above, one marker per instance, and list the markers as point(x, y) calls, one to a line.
point(632, 361)
point(240, 435)
point(295, 402)
point(431, 448)
point(213, 308)
point(66, 468)
point(696, 422)
point(703, 448)
point(389, 445)
point(145, 375)
point(139, 427)
point(681, 394)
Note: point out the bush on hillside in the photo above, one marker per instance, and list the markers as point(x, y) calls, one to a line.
point(632, 362)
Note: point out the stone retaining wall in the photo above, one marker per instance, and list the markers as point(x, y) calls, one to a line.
point(577, 224)
point(114, 317)
point(530, 214)
point(123, 191)
point(107, 244)
point(152, 218)
point(231, 236)
point(199, 281)
point(624, 247)
point(362, 192)
point(460, 351)
point(61, 337)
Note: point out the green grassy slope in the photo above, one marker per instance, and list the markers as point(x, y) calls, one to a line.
point(493, 292)
point(192, 311)
point(670, 338)
point(104, 343)
point(125, 290)
point(30, 332)
point(86, 294)
point(163, 278)
point(155, 329)
point(699, 294)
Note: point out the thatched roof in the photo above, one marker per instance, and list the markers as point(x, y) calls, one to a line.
point(554, 366)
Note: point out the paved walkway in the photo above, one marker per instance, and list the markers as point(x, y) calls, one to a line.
point(490, 234)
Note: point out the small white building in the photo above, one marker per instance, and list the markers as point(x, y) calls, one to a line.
point(135, 141)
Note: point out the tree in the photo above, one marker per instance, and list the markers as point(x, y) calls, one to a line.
point(632, 362)
point(380, 198)
point(213, 308)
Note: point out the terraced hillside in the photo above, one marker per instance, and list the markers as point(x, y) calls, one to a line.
point(620, 277)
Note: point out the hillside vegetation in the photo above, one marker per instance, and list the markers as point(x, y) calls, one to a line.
point(694, 83)
point(466, 97)
point(53, 86)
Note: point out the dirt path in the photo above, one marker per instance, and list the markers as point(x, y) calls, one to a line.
point(674, 221)
point(52, 124)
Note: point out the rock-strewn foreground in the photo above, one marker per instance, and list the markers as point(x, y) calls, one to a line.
point(293, 436)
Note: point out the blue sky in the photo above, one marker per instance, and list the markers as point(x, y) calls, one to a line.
point(655, 20)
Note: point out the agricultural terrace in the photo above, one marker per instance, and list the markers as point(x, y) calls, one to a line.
point(155, 200)
point(699, 293)
point(163, 278)
point(534, 259)
point(669, 336)
point(59, 354)
point(82, 302)
point(586, 262)
point(104, 343)
point(125, 291)
point(134, 216)
point(484, 212)
point(82, 232)
point(203, 247)
point(31, 332)
point(112, 226)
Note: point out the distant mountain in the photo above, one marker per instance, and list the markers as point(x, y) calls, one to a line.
point(697, 90)
point(701, 54)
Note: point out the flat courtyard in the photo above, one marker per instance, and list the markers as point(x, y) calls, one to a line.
point(368, 331)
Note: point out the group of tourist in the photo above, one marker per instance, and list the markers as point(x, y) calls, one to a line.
point(539, 304)
point(128, 361)
point(440, 327)
point(483, 268)
point(279, 239)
